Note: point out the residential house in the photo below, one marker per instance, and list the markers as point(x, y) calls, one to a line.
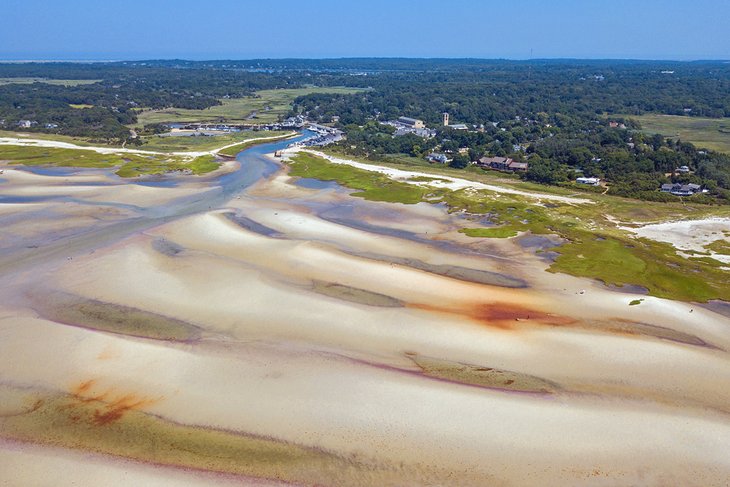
point(436, 157)
point(498, 163)
point(681, 189)
point(589, 181)
point(518, 166)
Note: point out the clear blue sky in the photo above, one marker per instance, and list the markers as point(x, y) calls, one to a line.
point(244, 29)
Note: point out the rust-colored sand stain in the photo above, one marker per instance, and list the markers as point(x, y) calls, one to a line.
point(505, 316)
point(111, 405)
point(109, 353)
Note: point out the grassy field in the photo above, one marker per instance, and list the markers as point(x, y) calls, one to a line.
point(707, 133)
point(181, 144)
point(128, 165)
point(239, 110)
point(234, 150)
point(370, 185)
point(62, 82)
point(595, 247)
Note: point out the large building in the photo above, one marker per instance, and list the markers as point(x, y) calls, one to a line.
point(412, 122)
point(502, 164)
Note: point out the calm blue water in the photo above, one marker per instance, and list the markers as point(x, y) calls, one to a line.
point(254, 165)
point(28, 199)
point(165, 182)
point(48, 170)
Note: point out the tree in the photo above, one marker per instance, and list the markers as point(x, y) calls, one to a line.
point(546, 171)
point(460, 161)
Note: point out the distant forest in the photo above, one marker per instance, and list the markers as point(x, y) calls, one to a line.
point(556, 114)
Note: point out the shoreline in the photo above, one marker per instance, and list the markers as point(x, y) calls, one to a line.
point(452, 183)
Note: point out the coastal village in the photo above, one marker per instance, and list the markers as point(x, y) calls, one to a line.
point(327, 134)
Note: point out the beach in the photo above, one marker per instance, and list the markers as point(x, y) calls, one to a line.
point(212, 333)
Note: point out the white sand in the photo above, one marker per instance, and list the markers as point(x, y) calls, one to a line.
point(692, 235)
point(282, 361)
point(35, 466)
point(440, 181)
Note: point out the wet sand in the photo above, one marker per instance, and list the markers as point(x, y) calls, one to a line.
point(276, 338)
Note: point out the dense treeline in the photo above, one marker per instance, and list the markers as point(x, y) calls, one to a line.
point(111, 103)
point(553, 114)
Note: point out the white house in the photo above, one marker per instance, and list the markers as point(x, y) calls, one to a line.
point(589, 181)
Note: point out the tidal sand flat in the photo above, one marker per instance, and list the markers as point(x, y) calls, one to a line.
point(251, 332)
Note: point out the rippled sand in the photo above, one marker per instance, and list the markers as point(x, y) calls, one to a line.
point(305, 337)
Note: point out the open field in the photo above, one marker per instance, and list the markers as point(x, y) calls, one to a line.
point(61, 82)
point(185, 143)
point(707, 133)
point(239, 110)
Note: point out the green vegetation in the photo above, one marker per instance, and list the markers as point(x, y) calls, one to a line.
point(264, 106)
point(480, 376)
point(39, 156)
point(499, 232)
point(130, 165)
point(274, 135)
point(594, 247)
point(370, 185)
point(57, 82)
point(133, 165)
point(118, 319)
point(636, 302)
point(80, 106)
point(157, 143)
point(110, 421)
point(719, 247)
point(152, 166)
point(652, 265)
point(425, 179)
point(710, 133)
point(203, 143)
point(355, 295)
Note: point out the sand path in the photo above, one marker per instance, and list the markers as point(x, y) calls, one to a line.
point(439, 181)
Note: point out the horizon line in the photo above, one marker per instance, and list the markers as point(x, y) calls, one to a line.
point(344, 58)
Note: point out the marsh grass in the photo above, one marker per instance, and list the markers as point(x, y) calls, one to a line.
point(595, 247)
point(128, 165)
